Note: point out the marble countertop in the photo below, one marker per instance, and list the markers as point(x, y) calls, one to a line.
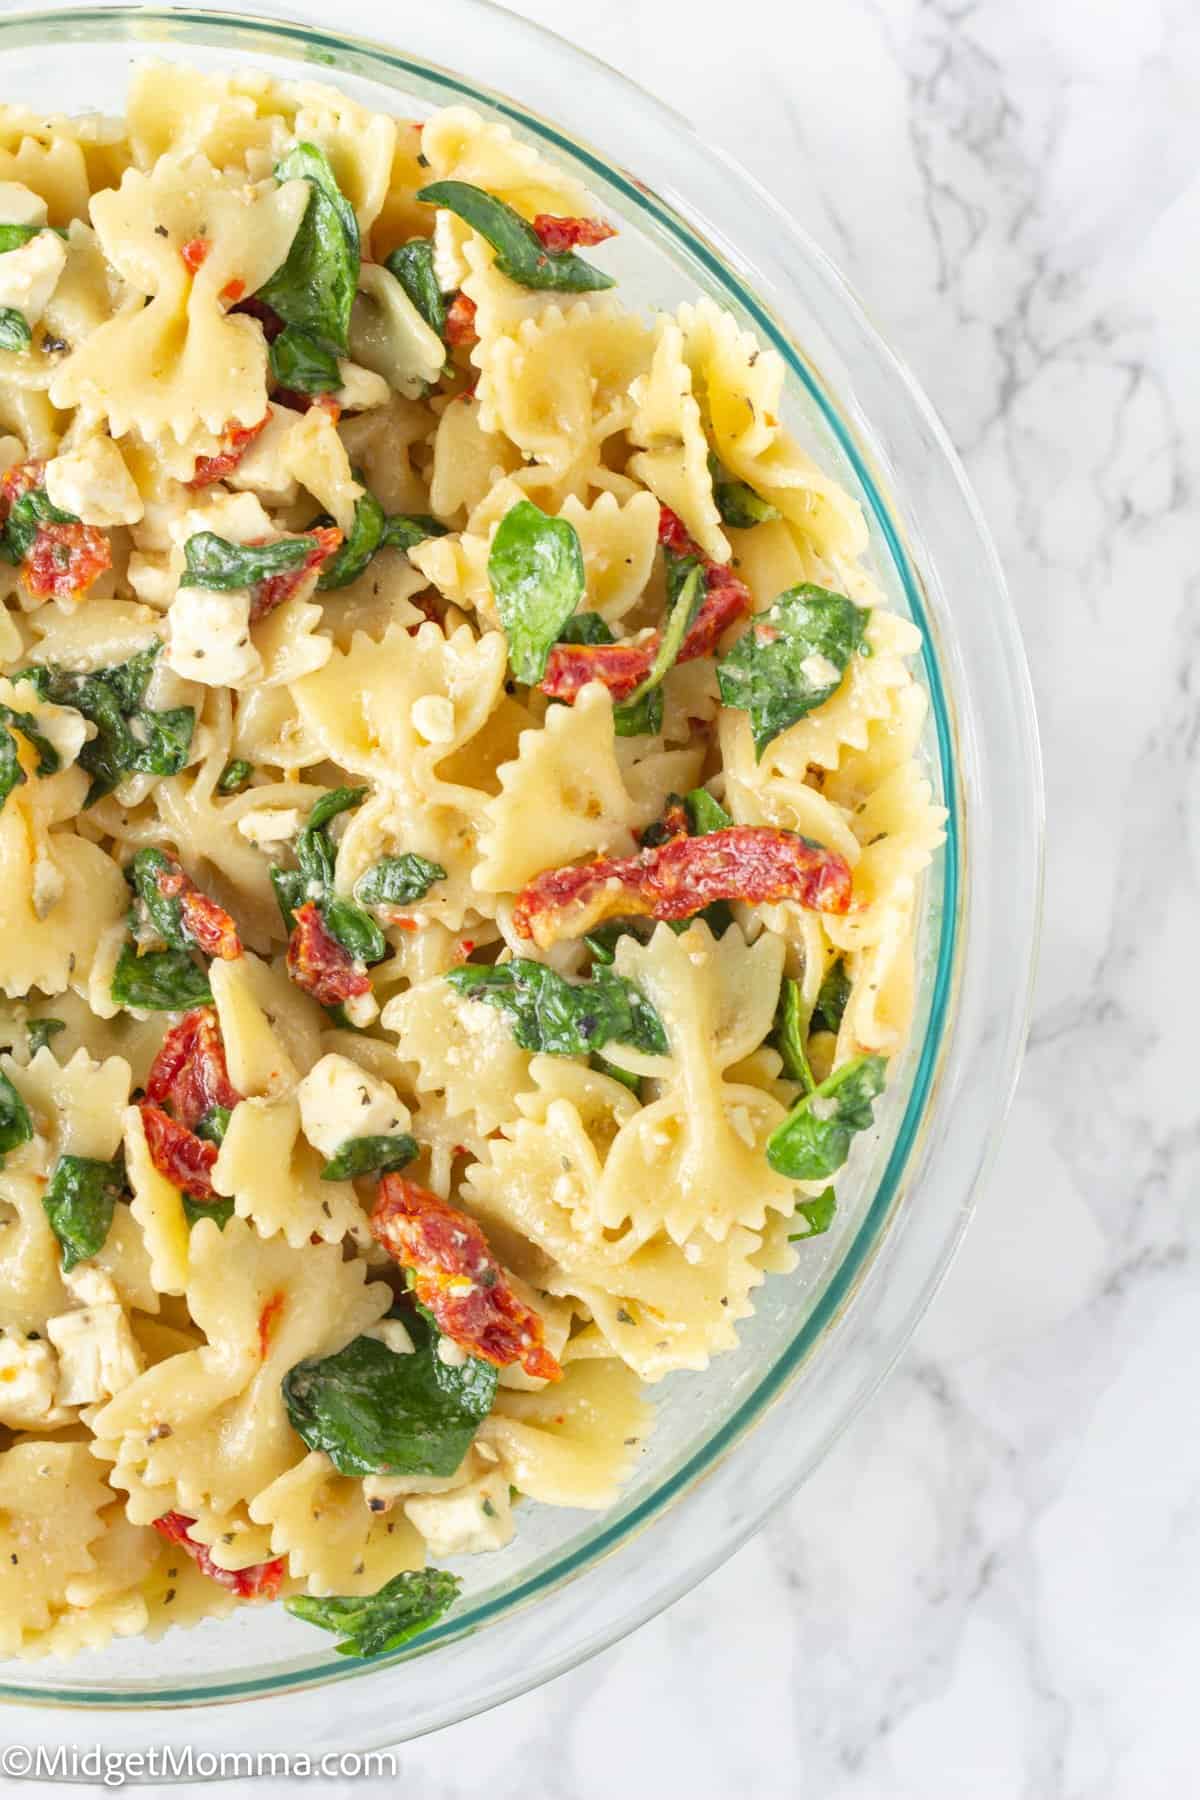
point(991, 1589)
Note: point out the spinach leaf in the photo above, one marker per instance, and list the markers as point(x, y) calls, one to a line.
point(397, 880)
point(374, 1412)
point(625, 1076)
point(366, 535)
point(79, 1204)
point(164, 913)
point(832, 996)
point(14, 237)
point(814, 1139)
point(215, 1123)
point(312, 879)
point(355, 930)
point(737, 502)
point(28, 513)
point(14, 329)
point(791, 658)
point(788, 1035)
point(235, 776)
point(412, 265)
point(409, 1604)
point(404, 531)
point(130, 738)
point(370, 1156)
point(301, 362)
point(817, 1214)
point(213, 562)
point(16, 1127)
point(705, 814)
point(631, 718)
point(195, 1210)
point(11, 773)
point(159, 981)
point(603, 941)
point(562, 1017)
point(586, 628)
point(315, 287)
point(520, 252)
point(41, 1031)
point(535, 568)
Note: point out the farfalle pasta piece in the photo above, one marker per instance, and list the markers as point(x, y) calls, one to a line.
point(459, 1049)
point(51, 1500)
point(673, 458)
point(273, 1177)
point(575, 1443)
point(334, 1543)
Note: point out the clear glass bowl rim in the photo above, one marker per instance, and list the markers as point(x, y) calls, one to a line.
point(230, 30)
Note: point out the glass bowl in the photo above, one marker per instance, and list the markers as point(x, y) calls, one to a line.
point(733, 1442)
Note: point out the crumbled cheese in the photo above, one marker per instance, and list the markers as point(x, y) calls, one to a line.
point(238, 517)
point(393, 1333)
point(268, 826)
point(451, 1354)
point(98, 1354)
point(47, 885)
point(29, 276)
point(94, 484)
point(361, 1010)
point(361, 389)
point(263, 470)
point(19, 205)
point(433, 717)
point(823, 1107)
point(208, 637)
point(471, 1519)
point(339, 1100)
point(28, 1378)
point(66, 729)
point(819, 671)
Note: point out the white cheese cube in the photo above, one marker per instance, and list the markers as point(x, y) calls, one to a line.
point(475, 1518)
point(361, 388)
point(28, 1378)
point(94, 484)
point(29, 276)
point(98, 1354)
point(269, 826)
point(339, 1100)
point(263, 470)
point(19, 205)
point(361, 1010)
point(208, 637)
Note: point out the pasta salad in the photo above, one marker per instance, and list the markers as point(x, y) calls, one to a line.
point(461, 829)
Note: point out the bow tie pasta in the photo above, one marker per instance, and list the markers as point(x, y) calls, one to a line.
point(463, 812)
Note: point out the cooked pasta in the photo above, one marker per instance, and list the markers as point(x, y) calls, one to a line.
point(462, 821)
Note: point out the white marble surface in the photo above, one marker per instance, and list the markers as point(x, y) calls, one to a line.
point(991, 1590)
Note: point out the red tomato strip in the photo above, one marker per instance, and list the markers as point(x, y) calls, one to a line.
point(755, 863)
point(195, 253)
point(621, 667)
point(570, 234)
point(64, 560)
point(208, 925)
point(320, 965)
point(238, 439)
point(459, 331)
point(189, 1075)
point(178, 1153)
point(456, 1276)
point(261, 1581)
point(277, 588)
point(20, 479)
point(673, 534)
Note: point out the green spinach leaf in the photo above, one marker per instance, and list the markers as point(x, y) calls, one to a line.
point(788, 1036)
point(791, 658)
point(634, 716)
point(814, 1140)
point(41, 1031)
point(586, 628)
point(366, 535)
point(16, 1127)
point(26, 516)
point(404, 531)
point(832, 996)
point(195, 1210)
point(409, 1604)
point(370, 1156)
point(705, 814)
point(397, 880)
point(535, 568)
point(235, 776)
point(130, 738)
point(817, 1213)
point(520, 252)
point(14, 237)
point(213, 562)
point(737, 502)
point(11, 773)
point(162, 912)
point(412, 265)
point(159, 981)
point(561, 1017)
point(79, 1203)
point(314, 289)
point(312, 879)
point(374, 1412)
point(303, 363)
point(14, 329)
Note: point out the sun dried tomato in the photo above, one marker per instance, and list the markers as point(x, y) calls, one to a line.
point(673, 534)
point(64, 560)
point(178, 1153)
point(233, 290)
point(456, 1276)
point(459, 330)
point(675, 880)
point(261, 1581)
point(238, 439)
point(621, 667)
point(560, 234)
point(277, 588)
point(295, 401)
point(208, 925)
point(189, 1075)
point(20, 479)
point(268, 318)
point(320, 965)
point(195, 252)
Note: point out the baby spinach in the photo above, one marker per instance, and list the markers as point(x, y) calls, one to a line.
point(219, 1210)
point(789, 1034)
point(130, 738)
point(586, 628)
point(374, 1412)
point(409, 1604)
point(79, 1203)
point(365, 537)
point(832, 996)
point(16, 1127)
point(14, 237)
point(41, 1031)
point(412, 265)
point(404, 531)
point(370, 1156)
point(814, 1140)
point(520, 252)
point(641, 713)
point(561, 1017)
point(26, 516)
point(162, 912)
point(159, 981)
point(215, 1123)
point(737, 502)
point(397, 880)
point(791, 658)
point(626, 1077)
point(313, 290)
point(213, 562)
point(705, 814)
point(818, 1215)
point(235, 776)
point(14, 329)
point(535, 568)
point(312, 879)
point(11, 773)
